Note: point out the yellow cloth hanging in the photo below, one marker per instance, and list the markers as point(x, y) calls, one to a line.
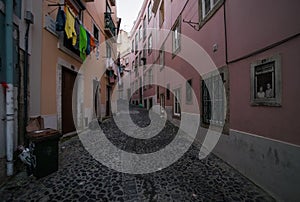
point(70, 26)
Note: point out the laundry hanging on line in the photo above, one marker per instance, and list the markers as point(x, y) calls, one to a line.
point(82, 40)
point(60, 20)
point(70, 26)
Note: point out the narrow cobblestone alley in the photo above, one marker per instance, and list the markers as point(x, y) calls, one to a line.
point(82, 178)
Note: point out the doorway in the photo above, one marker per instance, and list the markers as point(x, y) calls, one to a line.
point(96, 99)
point(108, 95)
point(68, 81)
point(162, 103)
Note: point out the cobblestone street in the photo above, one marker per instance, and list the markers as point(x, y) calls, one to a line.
point(82, 178)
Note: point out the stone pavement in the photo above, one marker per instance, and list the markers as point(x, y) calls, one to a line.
point(82, 178)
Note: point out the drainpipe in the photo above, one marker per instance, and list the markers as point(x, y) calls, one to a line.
point(29, 20)
point(10, 87)
point(25, 81)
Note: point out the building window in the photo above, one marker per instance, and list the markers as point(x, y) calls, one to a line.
point(161, 13)
point(136, 85)
point(136, 42)
point(162, 103)
point(96, 32)
point(132, 45)
point(144, 28)
point(157, 92)
point(266, 82)
point(144, 57)
point(108, 9)
point(176, 36)
point(144, 51)
point(150, 74)
point(189, 90)
point(208, 6)
point(136, 67)
point(168, 92)
point(140, 59)
point(150, 44)
point(177, 97)
point(149, 11)
point(213, 100)
point(67, 45)
point(108, 50)
point(162, 57)
point(140, 33)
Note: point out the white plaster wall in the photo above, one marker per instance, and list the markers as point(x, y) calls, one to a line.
point(2, 123)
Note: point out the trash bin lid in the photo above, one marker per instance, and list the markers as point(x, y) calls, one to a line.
point(43, 134)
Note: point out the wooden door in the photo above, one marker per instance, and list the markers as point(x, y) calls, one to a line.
point(68, 80)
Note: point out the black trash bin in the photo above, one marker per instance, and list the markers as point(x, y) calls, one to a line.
point(45, 151)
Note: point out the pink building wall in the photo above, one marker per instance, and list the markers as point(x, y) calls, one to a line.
point(252, 25)
point(262, 142)
point(271, 23)
point(260, 31)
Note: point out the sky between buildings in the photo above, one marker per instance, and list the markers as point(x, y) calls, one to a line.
point(128, 10)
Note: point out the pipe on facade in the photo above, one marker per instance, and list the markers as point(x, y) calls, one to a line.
point(225, 33)
point(29, 18)
point(10, 87)
point(25, 80)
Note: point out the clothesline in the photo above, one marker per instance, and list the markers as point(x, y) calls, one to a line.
point(82, 39)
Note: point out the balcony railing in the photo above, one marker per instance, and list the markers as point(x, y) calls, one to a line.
point(110, 27)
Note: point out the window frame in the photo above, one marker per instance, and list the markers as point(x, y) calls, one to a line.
point(96, 28)
point(189, 91)
point(150, 75)
point(144, 28)
point(161, 13)
point(140, 57)
point(149, 11)
point(136, 42)
point(168, 92)
point(223, 71)
point(108, 50)
point(176, 102)
point(107, 7)
point(162, 103)
point(213, 117)
point(133, 45)
point(150, 39)
point(162, 57)
point(140, 33)
point(177, 25)
point(204, 18)
point(276, 82)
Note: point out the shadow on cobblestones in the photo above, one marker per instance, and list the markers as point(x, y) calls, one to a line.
point(81, 178)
